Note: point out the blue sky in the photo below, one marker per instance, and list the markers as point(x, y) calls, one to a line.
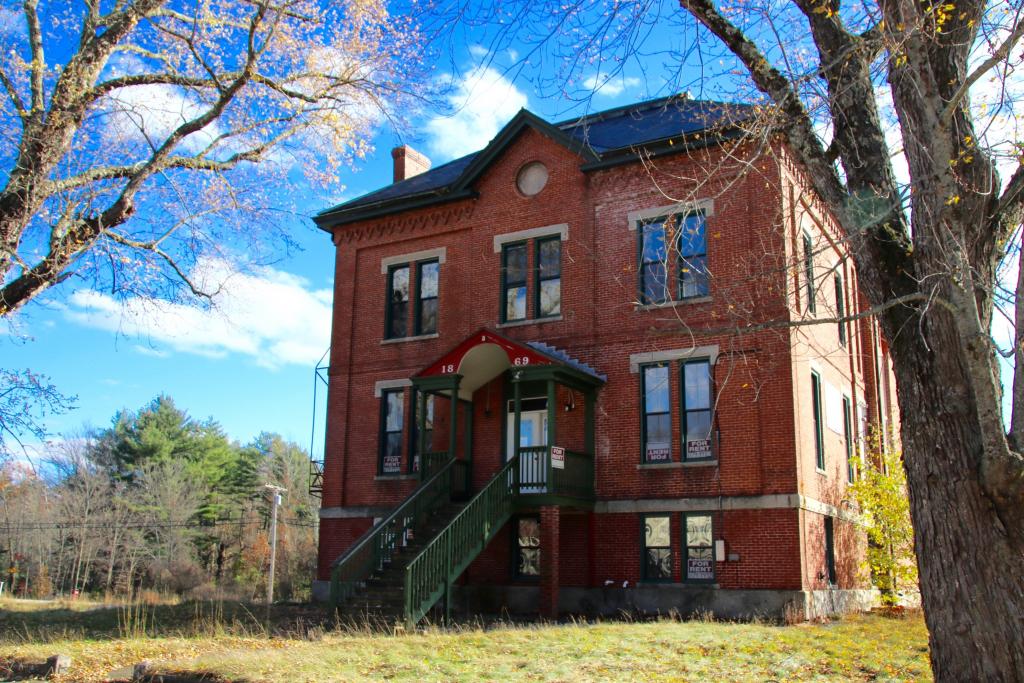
point(249, 369)
point(250, 366)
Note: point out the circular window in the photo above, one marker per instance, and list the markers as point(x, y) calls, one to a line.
point(532, 178)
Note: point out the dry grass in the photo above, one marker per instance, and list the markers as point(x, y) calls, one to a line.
point(858, 648)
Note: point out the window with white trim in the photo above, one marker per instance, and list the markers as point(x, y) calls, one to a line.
point(700, 559)
point(400, 298)
point(656, 428)
point(672, 258)
point(657, 548)
point(697, 410)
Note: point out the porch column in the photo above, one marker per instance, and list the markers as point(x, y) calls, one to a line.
point(421, 436)
point(552, 421)
point(517, 400)
point(453, 422)
point(549, 559)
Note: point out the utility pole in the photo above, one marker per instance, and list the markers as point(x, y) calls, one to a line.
point(276, 492)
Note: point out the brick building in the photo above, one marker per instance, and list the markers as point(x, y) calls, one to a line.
point(582, 284)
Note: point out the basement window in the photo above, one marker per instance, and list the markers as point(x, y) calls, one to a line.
point(700, 560)
point(657, 555)
point(527, 548)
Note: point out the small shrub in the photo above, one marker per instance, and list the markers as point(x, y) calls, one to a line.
point(793, 613)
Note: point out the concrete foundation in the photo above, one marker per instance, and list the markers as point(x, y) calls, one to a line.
point(653, 600)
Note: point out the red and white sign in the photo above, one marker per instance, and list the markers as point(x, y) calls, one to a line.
point(558, 457)
point(699, 449)
point(658, 453)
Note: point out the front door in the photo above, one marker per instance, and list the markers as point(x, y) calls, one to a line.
point(533, 432)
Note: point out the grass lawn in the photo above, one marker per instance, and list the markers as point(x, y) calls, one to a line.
point(228, 643)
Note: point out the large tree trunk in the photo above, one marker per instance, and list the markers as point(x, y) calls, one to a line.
point(972, 576)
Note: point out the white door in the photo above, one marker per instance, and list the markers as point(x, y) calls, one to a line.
point(533, 431)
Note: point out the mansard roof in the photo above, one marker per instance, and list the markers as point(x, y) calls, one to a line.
point(602, 139)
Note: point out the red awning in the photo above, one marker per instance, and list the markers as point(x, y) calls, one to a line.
point(518, 354)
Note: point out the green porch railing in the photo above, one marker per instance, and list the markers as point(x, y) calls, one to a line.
point(375, 548)
point(536, 476)
point(430, 574)
point(576, 480)
point(432, 461)
point(533, 469)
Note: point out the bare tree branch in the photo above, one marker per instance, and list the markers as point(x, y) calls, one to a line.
point(997, 57)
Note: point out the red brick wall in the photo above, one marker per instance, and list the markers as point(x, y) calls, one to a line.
point(761, 378)
point(336, 535)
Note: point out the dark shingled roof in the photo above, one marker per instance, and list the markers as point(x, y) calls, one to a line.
point(424, 183)
point(603, 136)
point(648, 122)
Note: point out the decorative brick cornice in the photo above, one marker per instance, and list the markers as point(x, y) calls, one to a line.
point(403, 224)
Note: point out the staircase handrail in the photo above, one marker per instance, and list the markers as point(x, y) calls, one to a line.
point(366, 553)
point(430, 574)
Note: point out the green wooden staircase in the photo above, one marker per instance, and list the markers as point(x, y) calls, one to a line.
point(402, 566)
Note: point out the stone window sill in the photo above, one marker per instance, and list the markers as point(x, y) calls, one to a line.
point(676, 465)
point(396, 477)
point(531, 321)
point(821, 471)
point(673, 304)
point(668, 585)
point(399, 340)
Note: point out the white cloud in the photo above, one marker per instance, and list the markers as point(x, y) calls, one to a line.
point(484, 101)
point(274, 317)
point(609, 86)
point(152, 112)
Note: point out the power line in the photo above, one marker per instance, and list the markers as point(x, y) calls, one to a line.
point(105, 526)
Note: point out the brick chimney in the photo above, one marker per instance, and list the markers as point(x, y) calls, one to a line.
point(408, 162)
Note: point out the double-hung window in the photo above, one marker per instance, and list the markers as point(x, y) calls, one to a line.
point(426, 297)
point(392, 419)
point(657, 559)
point(851, 472)
point(809, 272)
point(700, 560)
point(513, 282)
point(548, 283)
point(819, 437)
point(527, 548)
point(693, 257)
point(675, 245)
point(401, 297)
point(398, 302)
point(657, 417)
point(697, 410)
point(531, 290)
point(841, 308)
